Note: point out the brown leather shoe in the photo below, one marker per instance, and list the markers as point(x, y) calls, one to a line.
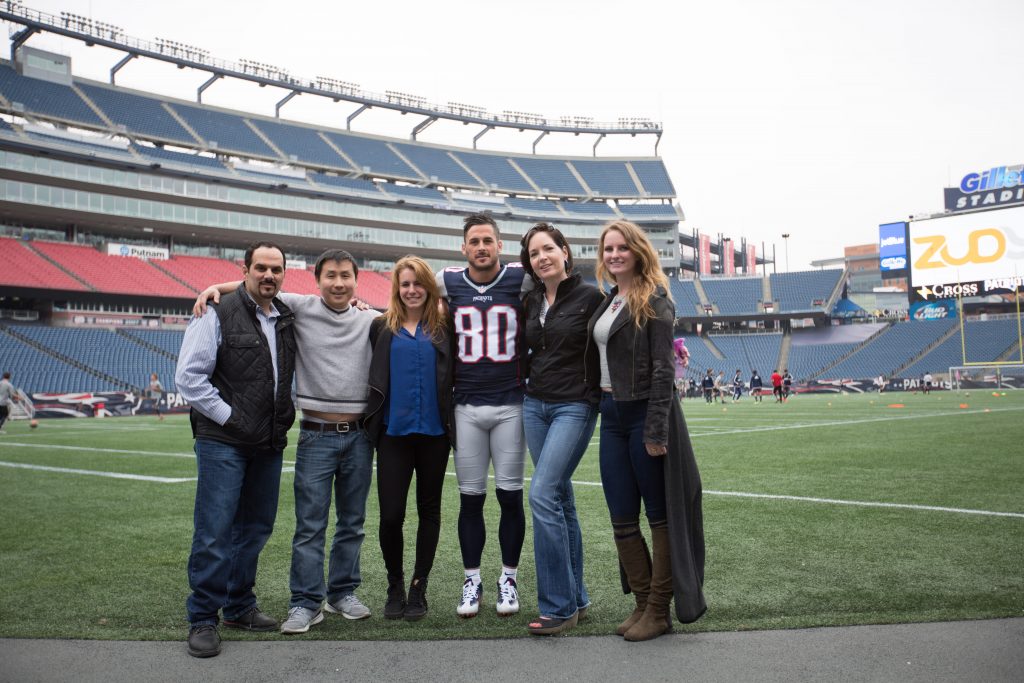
point(204, 641)
point(253, 620)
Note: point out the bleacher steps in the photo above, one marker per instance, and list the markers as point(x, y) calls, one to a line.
point(836, 291)
point(423, 176)
point(69, 360)
point(468, 170)
point(636, 179)
point(701, 294)
point(855, 349)
point(156, 264)
point(267, 141)
point(527, 178)
point(928, 349)
point(766, 291)
point(784, 347)
point(184, 124)
point(1011, 354)
point(74, 277)
point(337, 150)
point(714, 350)
point(579, 179)
point(145, 344)
point(95, 109)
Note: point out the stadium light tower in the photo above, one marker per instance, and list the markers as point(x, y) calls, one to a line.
point(785, 241)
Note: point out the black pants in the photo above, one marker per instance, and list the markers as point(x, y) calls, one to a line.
point(397, 458)
point(4, 412)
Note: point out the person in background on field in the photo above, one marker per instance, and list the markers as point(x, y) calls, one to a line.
point(645, 452)
point(409, 421)
point(154, 392)
point(787, 384)
point(755, 385)
point(334, 455)
point(720, 386)
point(737, 386)
point(8, 395)
point(485, 305)
point(559, 415)
point(707, 384)
point(235, 369)
point(926, 383)
point(777, 385)
point(682, 356)
point(880, 383)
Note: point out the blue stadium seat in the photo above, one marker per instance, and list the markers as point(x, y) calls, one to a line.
point(375, 155)
point(609, 178)
point(422, 195)
point(552, 176)
point(533, 207)
point(798, 291)
point(227, 130)
point(648, 211)
point(894, 347)
point(162, 156)
point(590, 209)
point(302, 143)
point(46, 100)
point(687, 301)
point(435, 163)
point(496, 171)
point(141, 116)
point(357, 184)
point(735, 296)
point(654, 177)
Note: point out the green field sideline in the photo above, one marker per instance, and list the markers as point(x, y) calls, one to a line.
point(823, 511)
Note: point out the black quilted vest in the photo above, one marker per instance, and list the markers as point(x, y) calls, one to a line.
point(244, 376)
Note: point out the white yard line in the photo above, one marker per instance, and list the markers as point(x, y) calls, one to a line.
point(88, 449)
point(95, 473)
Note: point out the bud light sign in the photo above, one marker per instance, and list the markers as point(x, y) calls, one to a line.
point(933, 310)
point(892, 246)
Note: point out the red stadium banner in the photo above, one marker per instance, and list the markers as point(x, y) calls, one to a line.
point(705, 253)
point(751, 268)
point(728, 258)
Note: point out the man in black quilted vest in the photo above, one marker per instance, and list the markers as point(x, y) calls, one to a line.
point(235, 370)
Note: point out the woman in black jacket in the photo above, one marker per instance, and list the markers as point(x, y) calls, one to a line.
point(645, 450)
point(559, 414)
point(409, 422)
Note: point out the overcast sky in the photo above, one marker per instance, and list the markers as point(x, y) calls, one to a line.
point(820, 119)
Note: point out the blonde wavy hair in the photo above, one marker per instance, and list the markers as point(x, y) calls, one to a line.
point(648, 275)
point(433, 320)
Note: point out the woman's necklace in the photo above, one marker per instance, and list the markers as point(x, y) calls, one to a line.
point(617, 302)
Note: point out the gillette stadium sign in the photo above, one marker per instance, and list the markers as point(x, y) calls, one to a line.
point(999, 186)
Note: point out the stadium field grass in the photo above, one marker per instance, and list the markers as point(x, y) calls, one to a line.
point(823, 511)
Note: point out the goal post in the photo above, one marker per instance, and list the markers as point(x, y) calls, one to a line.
point(980, 375)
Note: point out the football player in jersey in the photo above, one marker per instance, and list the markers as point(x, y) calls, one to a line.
point(485, 305)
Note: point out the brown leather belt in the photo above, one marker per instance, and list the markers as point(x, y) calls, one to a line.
point(340, 427)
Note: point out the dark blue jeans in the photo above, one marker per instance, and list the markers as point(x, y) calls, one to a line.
point(236, 504)
point(628, 474)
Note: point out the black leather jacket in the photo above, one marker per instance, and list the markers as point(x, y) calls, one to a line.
point(563, 364)
point(641, 361)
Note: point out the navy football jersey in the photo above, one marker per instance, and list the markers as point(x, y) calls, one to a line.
point(488, 328)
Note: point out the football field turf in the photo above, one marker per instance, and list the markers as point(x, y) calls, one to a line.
point(826, 510)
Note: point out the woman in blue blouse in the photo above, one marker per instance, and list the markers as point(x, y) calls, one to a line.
point(409, 422)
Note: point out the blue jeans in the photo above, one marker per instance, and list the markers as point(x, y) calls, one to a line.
point(344, 462)
point(236, 504)
point(557, 435)
point(628, 474)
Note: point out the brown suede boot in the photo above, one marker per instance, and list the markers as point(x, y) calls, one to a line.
point(656, 618)
point(636, 562)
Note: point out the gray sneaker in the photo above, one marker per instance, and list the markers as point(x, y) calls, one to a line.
point(300, 619)
point(349, 607)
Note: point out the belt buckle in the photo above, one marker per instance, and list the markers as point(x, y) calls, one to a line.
point(339, 425)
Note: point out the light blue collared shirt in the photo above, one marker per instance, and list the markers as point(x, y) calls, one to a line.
point(198, 359)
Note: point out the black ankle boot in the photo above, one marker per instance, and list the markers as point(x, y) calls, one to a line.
point(416, 607)
point(394, 608)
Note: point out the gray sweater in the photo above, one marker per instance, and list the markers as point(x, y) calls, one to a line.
point(333, 361)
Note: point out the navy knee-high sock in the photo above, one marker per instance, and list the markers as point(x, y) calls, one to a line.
point(472, 533)
point(512, 528)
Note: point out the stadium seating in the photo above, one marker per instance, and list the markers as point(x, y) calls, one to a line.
point(374, 155)
point(734, 295)
point(104, 351)
point(166, 340)
point(797, 291)
point(435, 163)
point(374, 288)
point(609, 178)
point(113, 274)
point(806, 361)
point(356, 185)
point(654, 177)
point(25, 268)
point(640, 212)
point(687, 300)
point(199, 272)
point(421, 195)
point(888, 351)
point(533, 207)
point(589, 209)
point(35, 371)
point(495, 171)
point(986, 342)
point(228, 131)
point(744, 351)
point(552, 176)
point(163, 156)
point(303, 144)
point(52, 100)
point(140, 115)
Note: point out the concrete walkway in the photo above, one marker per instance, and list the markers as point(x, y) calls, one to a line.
point(989, 651)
